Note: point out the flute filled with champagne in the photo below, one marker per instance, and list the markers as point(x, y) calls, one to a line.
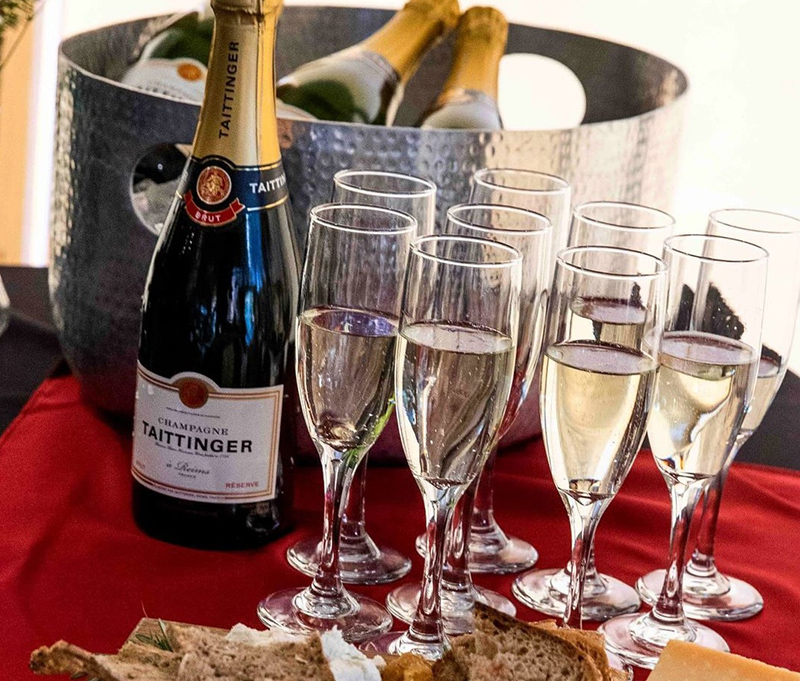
point(708, 364)
point(213, 423)
point(598, 381)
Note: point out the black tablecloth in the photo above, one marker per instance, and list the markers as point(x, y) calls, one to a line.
point(29, 352)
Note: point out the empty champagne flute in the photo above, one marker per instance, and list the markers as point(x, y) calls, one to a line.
point(707, 593)
point(706, 378)
point(530, 233)
point(491, 550)
point(347, 328)
point(453, 376)
point(596, 393)
point(618, 225)
point(361, 559)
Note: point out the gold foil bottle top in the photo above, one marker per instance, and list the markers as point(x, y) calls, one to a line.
point(483, 22)
point(248, 6)
point(447, 11)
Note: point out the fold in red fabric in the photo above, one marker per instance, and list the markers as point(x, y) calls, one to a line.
point(74, 566)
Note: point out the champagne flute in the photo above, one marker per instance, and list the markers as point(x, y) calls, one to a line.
point(491, 550)
point(530, 233)
point(453, 376)
point(361, 559)
point(407, 193)
point(706, 378)
point(707, 593)
point(346, 334)
point(618, 225)
point(596, 393)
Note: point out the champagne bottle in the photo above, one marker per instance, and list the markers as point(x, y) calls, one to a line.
point(175, 60)
point(364, 83)
point(213, 422)
point(469, 97)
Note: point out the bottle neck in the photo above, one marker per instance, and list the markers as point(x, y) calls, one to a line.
point(404, 39)
point(237, 119)
point(476, 66)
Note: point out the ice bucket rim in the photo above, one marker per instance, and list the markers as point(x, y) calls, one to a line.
point(678, 100)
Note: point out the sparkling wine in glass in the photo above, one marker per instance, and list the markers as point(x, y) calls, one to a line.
point(346, 336)
point(361, 559)
point(530, 233)
point(706, 379)
point(491, 550)
point(618, 225)
point(709, 594)
point(596, 394)
point(453, 377)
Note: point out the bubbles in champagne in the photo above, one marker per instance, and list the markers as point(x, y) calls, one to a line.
point(454, 385)
point(770, 376)
point(701, 395)
point(344, 372)
point(595, 401)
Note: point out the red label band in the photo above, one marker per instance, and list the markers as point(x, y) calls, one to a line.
point(213, 218)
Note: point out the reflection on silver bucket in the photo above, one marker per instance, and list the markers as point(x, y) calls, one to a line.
point(625, 150)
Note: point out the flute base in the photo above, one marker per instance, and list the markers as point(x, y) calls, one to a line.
point(367, 619)
point(638, 640)
point(493, 552)
point(538, 589)
point(724, 599)
point(398, 642)
point(615, 663)
point(361, 560)
point(456, 607)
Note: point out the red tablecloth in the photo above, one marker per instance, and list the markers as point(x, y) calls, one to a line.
point(74, 566)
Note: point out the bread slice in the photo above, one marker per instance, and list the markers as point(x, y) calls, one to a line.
point(185, 638)
point(233, 661)
point(503, 648)
point(592, 643)
point(407, 667)
point(65, 658)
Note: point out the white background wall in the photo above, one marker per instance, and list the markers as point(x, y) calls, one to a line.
point(741, 143)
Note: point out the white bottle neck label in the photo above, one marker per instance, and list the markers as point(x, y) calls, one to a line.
point(196, 441)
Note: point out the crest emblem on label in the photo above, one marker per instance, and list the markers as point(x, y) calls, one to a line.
point(193, 393)
point(213, 185)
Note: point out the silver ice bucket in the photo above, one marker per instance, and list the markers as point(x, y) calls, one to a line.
point(626, 149)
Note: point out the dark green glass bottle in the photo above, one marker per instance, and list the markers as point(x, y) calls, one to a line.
point(469, 97)
point(175, 61)
point(364, 83)
point(213, 435)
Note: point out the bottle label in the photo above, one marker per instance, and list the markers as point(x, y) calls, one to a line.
point(215, 191)
point(181, 78)
point(196, 441)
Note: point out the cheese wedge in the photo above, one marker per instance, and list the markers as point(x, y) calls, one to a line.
point(683, 661)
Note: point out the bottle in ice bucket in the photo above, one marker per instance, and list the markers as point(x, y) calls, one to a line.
point(469, 97)
point(364, 83)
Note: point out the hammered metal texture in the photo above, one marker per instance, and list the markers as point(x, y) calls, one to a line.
point(626, 150)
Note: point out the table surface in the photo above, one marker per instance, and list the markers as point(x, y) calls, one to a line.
point(29, 352)
point(74, 565)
